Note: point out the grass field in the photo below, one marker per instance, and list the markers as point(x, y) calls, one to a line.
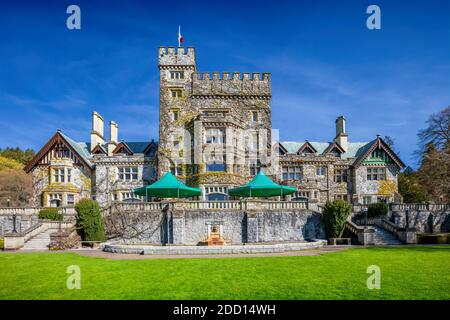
point(406, 273)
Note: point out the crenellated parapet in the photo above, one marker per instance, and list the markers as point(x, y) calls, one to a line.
point(176, 57)
point(234, 84)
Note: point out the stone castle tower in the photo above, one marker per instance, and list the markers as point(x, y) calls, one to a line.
point(215, 130)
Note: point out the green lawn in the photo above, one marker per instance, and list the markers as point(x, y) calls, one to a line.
point(406, 273)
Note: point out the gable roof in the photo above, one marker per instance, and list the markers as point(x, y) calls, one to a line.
point(152, 144)
point(352, 151)
point(82, 149)
point(79, 150)
point(99, 149)
point(121, 147)
point(334, 145)
point(367, 150)
point(305, 146)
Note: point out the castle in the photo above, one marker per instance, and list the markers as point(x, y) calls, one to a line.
point(215, 133)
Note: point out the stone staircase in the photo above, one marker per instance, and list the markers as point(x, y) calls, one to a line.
point(40, 241)
point(384, 237)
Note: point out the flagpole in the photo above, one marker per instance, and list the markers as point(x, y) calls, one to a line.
point(179, 32)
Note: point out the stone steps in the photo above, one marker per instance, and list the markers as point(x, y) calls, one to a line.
point(40, 241)
point(384, 237)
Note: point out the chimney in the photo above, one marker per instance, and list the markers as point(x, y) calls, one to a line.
point(113, 137)
point(97, 136)
point(341, 134)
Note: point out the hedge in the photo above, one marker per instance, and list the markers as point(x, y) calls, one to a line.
point(2, 244)
point(335, 215)
point(50, 214)
point(377, 210)
point(89, 220)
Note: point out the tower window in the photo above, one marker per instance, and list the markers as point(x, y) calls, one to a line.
point(176, 75)
point(175, 115)
point(176, 93)
point(215, 136)
point(255, 116)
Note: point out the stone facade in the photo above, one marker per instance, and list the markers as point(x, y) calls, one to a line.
point(210, 122)
point(215, 132)
point(110, 187)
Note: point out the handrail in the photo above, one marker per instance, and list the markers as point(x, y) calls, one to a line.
point(24, 232)
point(389, 226)
point(353, 227)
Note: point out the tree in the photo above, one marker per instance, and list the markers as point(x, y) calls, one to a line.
point(335, 215)
point(15, 185)
point(17, 154)
point(410, 188)
point(389, 141)
point(438, 130)
point(7, 163)
point(89, 220)
point(434, 173)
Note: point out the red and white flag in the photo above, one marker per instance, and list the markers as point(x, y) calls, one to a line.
point(180, 37)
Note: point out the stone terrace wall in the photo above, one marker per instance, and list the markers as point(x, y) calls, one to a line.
point(23, 222)
point(423, 220)
point(190, 226)
point(295, 225)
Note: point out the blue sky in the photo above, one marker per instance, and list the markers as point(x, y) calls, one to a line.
point(324, 63)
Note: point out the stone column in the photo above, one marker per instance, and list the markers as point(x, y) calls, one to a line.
point(252, 227)
point(177, 229)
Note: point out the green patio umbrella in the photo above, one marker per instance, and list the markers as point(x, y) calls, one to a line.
point(261, 186)
point(168, 187)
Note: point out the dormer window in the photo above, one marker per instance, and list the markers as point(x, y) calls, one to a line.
point(307, 148)
point(176, 75)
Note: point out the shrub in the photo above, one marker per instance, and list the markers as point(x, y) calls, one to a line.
point(377, 210)
point(2, 244)
point(89, 220)
point(50, 214)
point(335, 215)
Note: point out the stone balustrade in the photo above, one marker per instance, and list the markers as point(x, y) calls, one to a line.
point(211, 205)
point(32, 211)
point(420, 206)
point(365, 235)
